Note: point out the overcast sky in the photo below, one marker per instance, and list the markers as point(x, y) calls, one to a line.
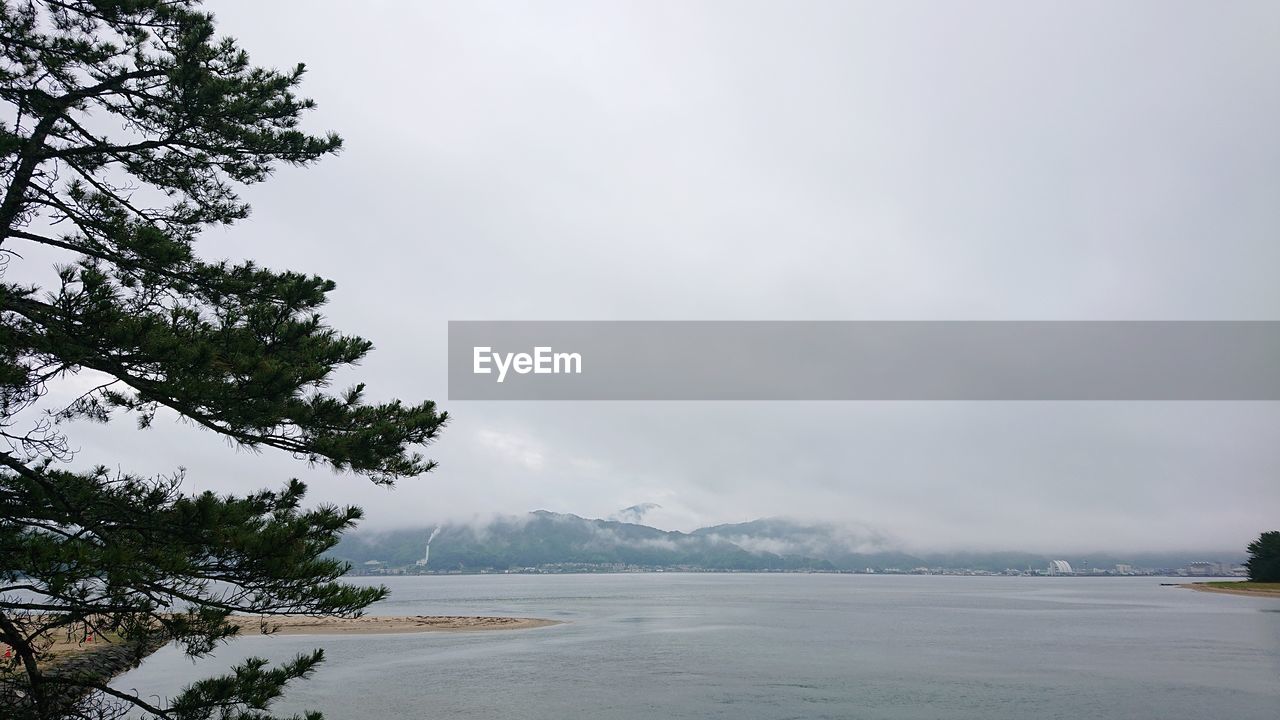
point(774, 161)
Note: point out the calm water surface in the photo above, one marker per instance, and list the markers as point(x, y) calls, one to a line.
point(788, 646)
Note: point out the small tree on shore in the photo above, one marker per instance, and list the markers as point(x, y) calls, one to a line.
point(127, 127)
point(1264, 558)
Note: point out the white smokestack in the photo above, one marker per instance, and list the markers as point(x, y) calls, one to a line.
point(426, 556)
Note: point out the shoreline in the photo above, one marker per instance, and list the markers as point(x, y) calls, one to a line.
point(1203, 587)
point(381, 624)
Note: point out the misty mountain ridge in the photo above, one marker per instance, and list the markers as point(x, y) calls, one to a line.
point(543, 538)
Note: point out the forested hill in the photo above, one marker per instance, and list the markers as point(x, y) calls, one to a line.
point(545, 538)
point(541, 539)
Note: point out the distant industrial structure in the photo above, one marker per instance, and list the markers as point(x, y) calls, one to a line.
point(426, 555)
point(1059, 567)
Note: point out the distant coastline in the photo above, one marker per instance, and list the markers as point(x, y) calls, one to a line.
point(543, 542)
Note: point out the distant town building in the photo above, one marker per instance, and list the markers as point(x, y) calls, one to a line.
point(1124, 569)
point(1060, 567)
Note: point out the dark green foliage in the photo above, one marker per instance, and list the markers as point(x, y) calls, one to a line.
point(1264, 558)
point(127, 128)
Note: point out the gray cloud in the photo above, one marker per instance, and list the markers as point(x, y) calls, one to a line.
point(718, 160)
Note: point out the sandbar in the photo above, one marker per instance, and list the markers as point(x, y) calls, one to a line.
point(1246, 591)
point(382, 624)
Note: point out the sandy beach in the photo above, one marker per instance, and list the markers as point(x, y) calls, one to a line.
point(374, 624)
point(1249, 592)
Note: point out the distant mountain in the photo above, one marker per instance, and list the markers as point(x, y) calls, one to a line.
point(546, 538)
point(542, 538)
point(839, 546)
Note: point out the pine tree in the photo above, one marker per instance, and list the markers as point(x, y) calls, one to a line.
point(129, 126)
point(1264, 558)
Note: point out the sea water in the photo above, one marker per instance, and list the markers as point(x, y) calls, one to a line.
point(745, 646)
